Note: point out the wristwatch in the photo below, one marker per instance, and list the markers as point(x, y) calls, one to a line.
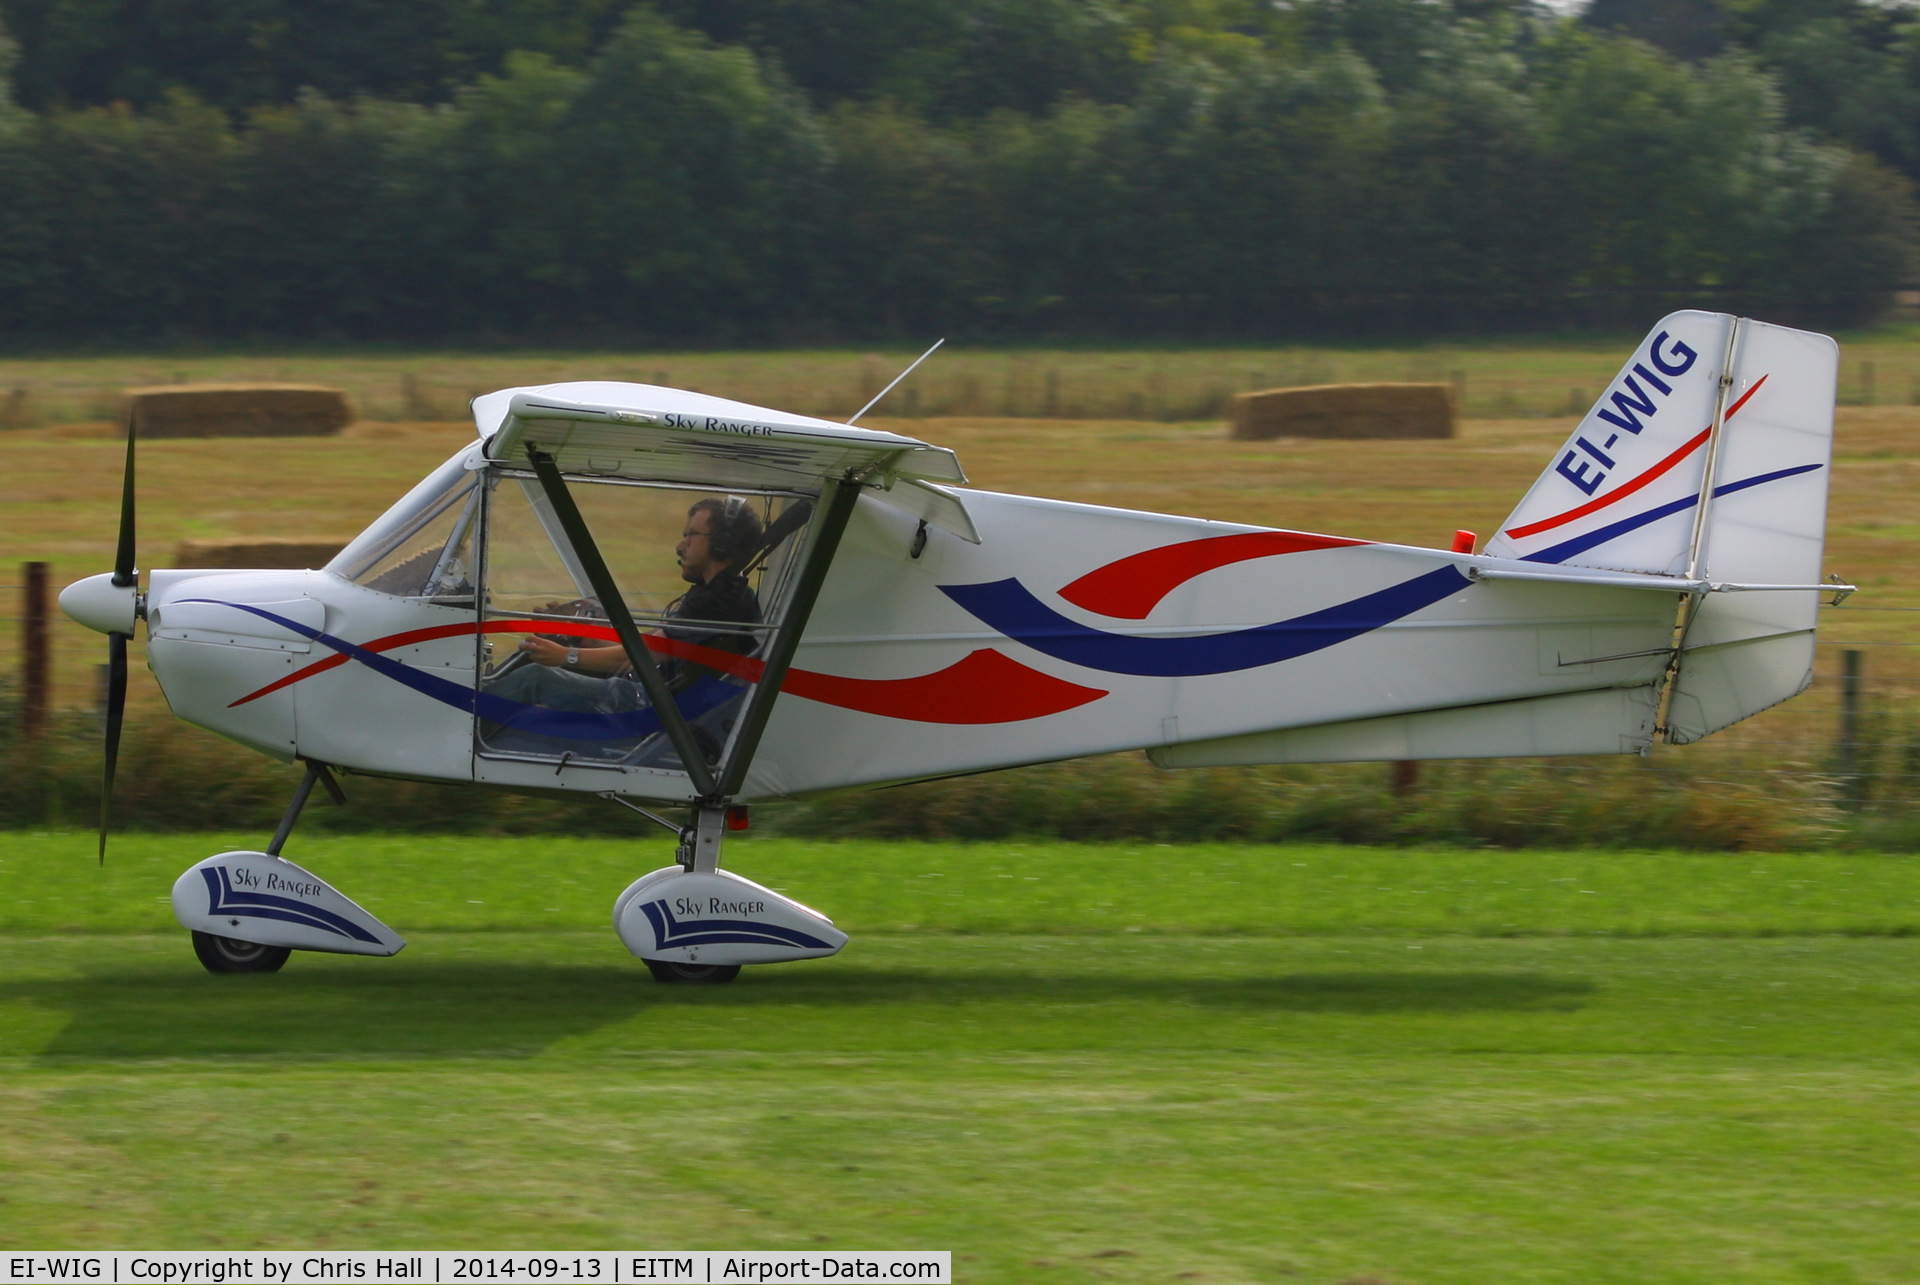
point(573, 657)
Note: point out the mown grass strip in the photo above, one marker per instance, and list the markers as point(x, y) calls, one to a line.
point(49, 883)
point(1050, 1108)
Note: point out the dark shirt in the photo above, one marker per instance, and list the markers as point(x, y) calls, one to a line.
point(725, 599)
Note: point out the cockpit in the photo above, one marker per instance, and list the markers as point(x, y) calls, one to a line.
point(697, 514)
point(553, 679)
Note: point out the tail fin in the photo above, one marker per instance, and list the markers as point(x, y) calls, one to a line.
point(1620, 493)
point(1630, 491)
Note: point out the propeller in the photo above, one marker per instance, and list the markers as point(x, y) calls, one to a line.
point(125, 575)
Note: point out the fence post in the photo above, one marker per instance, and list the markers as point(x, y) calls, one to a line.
point(1406, 776)
point(1854, 780)
point(34, 676)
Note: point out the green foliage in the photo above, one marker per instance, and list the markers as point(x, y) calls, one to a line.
point(9, 60)
point(241, 55)
point(1199, 169)
point(705, 176)
point(1848, 70)
point(174, 777)
point(935, 58)
point(1684, 28)
point(1510, 804)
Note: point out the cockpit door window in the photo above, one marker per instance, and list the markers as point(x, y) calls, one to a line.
point(703, 575)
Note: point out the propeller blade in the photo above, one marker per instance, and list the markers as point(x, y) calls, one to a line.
point(124, 574)
point(123, 569)
point(116, 713)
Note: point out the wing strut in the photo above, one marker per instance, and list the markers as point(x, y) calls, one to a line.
point(622, 621)
point(837, 509)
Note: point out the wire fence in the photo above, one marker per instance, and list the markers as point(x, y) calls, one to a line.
point(76, 655)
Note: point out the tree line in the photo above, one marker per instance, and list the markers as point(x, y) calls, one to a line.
point(713, 171)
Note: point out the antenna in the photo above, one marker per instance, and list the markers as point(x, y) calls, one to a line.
point(896, 379)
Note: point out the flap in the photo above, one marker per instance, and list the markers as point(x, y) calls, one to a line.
point(934, 505)
point(671, 435)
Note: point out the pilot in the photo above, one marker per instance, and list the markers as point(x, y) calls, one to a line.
point(720, 536)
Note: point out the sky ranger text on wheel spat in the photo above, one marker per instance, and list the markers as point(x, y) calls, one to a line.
point(676, 601)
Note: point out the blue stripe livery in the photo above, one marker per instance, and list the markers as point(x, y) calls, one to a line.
point(1008, 606)
point(1592, 539)
point(223, 899)
point(708, 693)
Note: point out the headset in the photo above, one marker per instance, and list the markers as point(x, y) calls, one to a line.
point(736, 529)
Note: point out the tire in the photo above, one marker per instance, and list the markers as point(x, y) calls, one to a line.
point(675, 973)
point(230, 955)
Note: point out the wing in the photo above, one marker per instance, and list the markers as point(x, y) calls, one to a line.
point(670, 434)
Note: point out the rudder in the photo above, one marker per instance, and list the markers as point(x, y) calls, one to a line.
point(1765, 524)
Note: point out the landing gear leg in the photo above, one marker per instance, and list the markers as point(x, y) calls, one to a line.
point(700, 842)
point(232, 955)
point(699, 854)
point(316, 772)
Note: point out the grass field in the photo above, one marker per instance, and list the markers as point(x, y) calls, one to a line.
point(1523, 377)
point(1156, 1063)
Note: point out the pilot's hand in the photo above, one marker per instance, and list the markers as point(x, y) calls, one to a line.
point(543, 652)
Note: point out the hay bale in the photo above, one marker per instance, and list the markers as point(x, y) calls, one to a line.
point(237, 410)
point(1344, 411)
point(297, 554)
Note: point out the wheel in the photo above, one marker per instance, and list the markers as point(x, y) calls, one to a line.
point(675, 973)
point(228, 955)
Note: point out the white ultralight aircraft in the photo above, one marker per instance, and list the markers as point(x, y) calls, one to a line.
point(672, 600)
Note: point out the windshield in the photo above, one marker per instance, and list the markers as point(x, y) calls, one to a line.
point(421, 547)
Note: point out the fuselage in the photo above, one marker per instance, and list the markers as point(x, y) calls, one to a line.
point(1067, 630)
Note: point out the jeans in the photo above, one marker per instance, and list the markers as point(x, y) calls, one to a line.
point(554, 688)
